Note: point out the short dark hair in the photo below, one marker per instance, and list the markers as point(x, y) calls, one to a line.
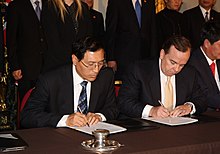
point(210, 31)
point(86, 44)
point(179, 42)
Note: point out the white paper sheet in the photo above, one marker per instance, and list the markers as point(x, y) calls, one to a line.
point(100, 125)
point(173, 121)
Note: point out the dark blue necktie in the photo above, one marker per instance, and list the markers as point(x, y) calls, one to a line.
point(82, 103)
point(37, 9)
point(138, 12)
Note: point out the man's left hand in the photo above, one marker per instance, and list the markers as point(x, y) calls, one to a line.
point(181, 110)
point(93, 118)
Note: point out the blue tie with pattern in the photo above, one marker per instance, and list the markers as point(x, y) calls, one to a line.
point(82, 103)
point(138, 12)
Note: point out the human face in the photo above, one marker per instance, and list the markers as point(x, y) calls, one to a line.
point(207, 4)
point(173, 4)
point(173, 62)
point(89, 67)
point(212, 50)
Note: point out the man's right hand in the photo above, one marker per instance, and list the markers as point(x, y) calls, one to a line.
point(17, 74)
point(76, 119)
point(113, 65)
point(159, 112)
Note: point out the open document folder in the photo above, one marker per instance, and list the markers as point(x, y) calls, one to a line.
point(173, 121)
point(100, 125)
point(11, 142)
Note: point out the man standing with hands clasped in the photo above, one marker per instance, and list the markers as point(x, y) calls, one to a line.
point(74, 95)
point(167, 81)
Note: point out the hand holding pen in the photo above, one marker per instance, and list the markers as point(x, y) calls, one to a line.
point(82, 113)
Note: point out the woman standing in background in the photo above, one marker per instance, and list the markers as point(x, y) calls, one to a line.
point(64, 22)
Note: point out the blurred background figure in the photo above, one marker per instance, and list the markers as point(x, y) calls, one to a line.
point(25, 42)
point(97, 21)
point(64, 22)
point(193, 20)
point(130, 33)
point(168, 21)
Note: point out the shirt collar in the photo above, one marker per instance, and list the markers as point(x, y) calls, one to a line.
point(76, 78)
point(207, 58)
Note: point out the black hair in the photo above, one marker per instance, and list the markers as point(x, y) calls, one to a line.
point(179, 42)
point(86, 44)
point(210, 31)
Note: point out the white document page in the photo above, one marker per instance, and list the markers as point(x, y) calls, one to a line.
point(173, 121)
point(100, 125)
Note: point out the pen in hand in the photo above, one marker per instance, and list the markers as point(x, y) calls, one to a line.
point(82, 113)
point(160, 103)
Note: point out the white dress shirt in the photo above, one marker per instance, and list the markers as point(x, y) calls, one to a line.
point(134, 1)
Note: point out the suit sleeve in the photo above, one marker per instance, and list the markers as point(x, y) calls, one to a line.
point(128, 98)
point(109, 108)
point(35, 112)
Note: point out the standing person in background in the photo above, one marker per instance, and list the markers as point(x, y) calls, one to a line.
point(97, 21)
point(25, 42)
point(130, 33)
point(168, 21)
point(64, 22)
point(193, 20)
point(1, 48)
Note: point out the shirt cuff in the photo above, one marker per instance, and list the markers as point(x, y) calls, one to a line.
point(102, 116)
point(62, 122)
point(146, 111)
point(193, 107)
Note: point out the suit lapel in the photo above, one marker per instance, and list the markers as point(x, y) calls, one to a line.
point(199, 14)
point(206, 67)
point(93, 96)
point(31, 10)
point(134, 16)
point(155, 84)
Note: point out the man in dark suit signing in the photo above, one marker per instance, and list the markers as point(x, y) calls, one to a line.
point(206, 60)
point(56, 100)
point(164, 87)
point(194, 18)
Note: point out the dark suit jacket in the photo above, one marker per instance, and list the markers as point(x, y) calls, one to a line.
point(142, 86)
point(53, 97)
point(192, 23)
point(125, 41)
point(98, 24)
point(168, 24)
point(199, 61)
point(25, 39)
point(61, 35)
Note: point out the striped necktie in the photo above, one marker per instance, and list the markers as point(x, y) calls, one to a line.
point(82, 103)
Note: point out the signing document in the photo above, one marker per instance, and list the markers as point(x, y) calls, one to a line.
point(173, 121)
point(100, 125)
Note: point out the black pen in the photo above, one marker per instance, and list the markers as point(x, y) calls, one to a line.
point(82, 113)
point(160, 103)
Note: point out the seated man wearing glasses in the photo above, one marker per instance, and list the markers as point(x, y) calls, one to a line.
point(74, 95)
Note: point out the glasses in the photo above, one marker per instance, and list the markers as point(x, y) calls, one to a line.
point(93, 65)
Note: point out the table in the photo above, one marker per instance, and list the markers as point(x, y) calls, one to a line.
point(197, 138)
